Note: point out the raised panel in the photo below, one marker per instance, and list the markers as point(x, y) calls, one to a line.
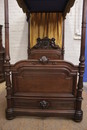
point(45, 83)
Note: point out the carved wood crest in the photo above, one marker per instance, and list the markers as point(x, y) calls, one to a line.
point(46, 43)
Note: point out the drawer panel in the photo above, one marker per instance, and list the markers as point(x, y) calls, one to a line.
point(51, 104)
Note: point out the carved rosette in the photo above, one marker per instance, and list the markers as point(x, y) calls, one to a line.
point(44, 104)
point(44, 60)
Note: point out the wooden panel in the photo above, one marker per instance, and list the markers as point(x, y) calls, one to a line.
point(53, 104)
point(37, 81)
point(51, 54)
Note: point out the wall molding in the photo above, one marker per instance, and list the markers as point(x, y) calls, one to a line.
point(78, 19)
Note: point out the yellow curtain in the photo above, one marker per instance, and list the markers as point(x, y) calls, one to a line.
point(46, 25)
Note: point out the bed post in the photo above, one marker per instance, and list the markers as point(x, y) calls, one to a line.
point(79, 112)
point(63, 32)
point(9, 111)
point(28, 34)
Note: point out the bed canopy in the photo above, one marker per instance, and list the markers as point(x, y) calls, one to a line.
point(45, 86)
point(46, 5)
point(46, 18)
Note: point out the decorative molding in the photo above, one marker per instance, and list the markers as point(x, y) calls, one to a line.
point(68, 7)
point(60, 63)
point(78, 19)
point(22, 5)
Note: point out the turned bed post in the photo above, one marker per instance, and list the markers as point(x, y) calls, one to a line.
point(7, 62)
point(79, 113)
point(63, 32)
point(28, 19)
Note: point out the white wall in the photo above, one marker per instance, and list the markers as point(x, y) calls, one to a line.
point(18, 29)
point(19, 33)
point(72, 45)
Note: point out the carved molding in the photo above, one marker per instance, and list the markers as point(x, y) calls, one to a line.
point(69, 67)
point(22, 5)
point(68, 7)
point(46, 43)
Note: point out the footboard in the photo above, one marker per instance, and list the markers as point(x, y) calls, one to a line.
point(43, 88)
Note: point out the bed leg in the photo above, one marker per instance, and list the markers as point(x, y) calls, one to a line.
point(78, 116)
point(10, 114)
point(79, 113)
point(9, 110)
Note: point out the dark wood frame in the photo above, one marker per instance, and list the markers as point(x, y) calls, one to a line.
point(2, 55)
point(12, 109)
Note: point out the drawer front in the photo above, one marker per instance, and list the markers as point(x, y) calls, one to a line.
point(51, 104)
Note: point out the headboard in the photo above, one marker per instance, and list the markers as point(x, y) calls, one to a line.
point(46, 47)
point(46, 25)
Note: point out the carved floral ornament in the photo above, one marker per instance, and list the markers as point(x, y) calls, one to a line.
point(22, 5)
point(46, 43)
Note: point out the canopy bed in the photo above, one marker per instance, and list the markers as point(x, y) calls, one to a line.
point(45, 84)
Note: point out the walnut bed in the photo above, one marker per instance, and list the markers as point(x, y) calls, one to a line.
point(44, 84)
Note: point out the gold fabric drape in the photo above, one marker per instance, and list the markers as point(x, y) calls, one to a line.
point(46, 25)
